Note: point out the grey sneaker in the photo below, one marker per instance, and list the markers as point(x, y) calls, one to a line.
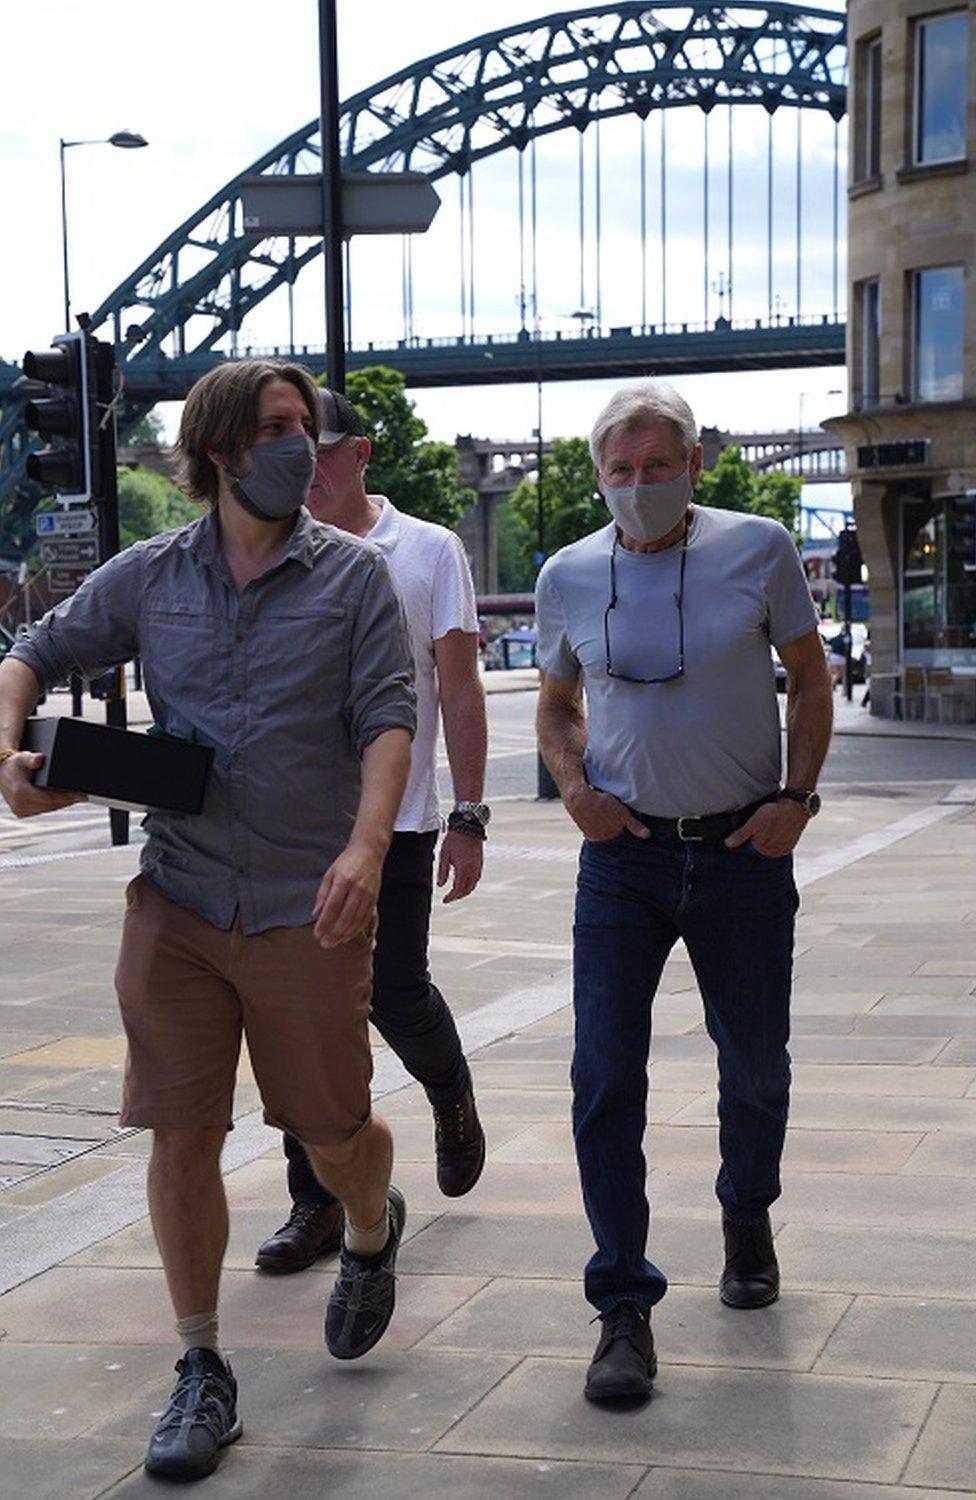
point(362, 1301)
point(200, 1420)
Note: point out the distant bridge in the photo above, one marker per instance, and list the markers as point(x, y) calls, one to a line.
point(583, 72)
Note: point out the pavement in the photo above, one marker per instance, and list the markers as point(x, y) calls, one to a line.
point(859, 1384)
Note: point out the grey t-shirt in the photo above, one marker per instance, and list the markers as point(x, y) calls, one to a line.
point(709, 740)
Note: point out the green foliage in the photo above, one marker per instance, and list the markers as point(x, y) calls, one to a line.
point(418, 475)
point(147, 433)
point(571, 505)
point(733, 485)
point(516, 574)
point(149, 504)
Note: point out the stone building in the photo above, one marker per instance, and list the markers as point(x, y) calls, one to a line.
point(910, 435)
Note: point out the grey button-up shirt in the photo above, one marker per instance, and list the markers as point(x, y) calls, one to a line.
point(289, 681)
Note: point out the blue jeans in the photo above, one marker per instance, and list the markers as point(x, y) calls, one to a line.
point(735, 910)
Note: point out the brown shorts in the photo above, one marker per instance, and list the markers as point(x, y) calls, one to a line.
point(187, 991)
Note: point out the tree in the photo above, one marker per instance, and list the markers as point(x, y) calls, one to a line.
point(420, 476)
point(571, 504)
point(149, 504)
point(732, 484)
point(147, 432)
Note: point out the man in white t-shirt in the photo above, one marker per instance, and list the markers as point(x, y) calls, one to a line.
point(431, 573)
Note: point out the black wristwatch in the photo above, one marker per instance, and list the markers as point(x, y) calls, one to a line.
point(471, 818)
point(809, 801)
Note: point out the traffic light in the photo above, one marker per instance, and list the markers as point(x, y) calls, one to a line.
point(962, 529)
point(66, 417)
point(848, 562)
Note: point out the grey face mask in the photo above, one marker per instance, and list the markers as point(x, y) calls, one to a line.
point(649, 511)
point(279, 479)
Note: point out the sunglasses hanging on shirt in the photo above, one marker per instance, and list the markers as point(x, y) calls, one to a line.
point(612, 614)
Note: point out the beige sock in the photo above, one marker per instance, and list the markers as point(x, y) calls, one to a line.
point(368, 1241)
point(200, 1331)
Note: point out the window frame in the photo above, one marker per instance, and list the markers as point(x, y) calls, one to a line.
point(919, 24)
point(914, 312)
point(867, 142)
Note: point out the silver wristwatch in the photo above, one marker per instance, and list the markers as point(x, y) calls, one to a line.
point(479, 811)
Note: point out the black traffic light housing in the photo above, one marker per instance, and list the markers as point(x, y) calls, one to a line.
point(962, 529)
point(848, 562)
point(66, 417)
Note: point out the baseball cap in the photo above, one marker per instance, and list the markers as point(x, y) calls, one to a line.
point(339, 418)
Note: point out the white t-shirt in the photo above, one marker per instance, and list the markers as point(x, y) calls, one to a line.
point(431, 572)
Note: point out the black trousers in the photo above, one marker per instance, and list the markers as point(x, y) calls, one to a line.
point(409, 1011)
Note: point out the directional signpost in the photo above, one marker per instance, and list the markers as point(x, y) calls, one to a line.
point(71, 552)
point(372, 203)
point(64, 522)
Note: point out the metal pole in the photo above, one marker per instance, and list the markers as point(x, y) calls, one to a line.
point(848, 673)
point(705, 215)
point(108, 526)
point(64, 243)
point(769, 220)
point(331, 194)
point(731, 226)
point(643, 223)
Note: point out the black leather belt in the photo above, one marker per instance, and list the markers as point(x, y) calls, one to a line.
point(700, 830)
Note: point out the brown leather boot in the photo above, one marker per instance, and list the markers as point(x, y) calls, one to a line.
point(313, 1229)
point(459, 1142)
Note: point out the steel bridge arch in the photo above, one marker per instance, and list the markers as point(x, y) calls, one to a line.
point(442, 114)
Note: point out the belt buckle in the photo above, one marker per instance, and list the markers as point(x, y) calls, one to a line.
point(689, 838)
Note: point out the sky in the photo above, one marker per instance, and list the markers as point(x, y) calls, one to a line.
point(213, 85)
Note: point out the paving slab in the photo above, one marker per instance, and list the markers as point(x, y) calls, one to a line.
point(295, 1399)
point(248, 1472)
point(831, 1427)
point(45, 1469)
point(51, 1392)
point(898, 1263)
point(946, 1451)
point(521, 1245)
point(71, 1304)
point(924, 1340)
point(690, 1326)
point(667, 1484)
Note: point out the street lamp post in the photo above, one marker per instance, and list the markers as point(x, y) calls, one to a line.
point(125, 140)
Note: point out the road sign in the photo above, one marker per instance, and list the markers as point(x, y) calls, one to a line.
point(372, 203)
point(64, 581)
point(64, 522)
point(71, 551)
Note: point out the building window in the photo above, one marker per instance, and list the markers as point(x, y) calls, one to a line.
point(867, 141)
point(937, 343)
point(938, 586)
point(941, 63)
point(869, 314)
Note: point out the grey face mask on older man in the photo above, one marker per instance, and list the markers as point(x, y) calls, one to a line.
point(649, 511)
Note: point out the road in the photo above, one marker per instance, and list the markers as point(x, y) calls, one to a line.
point(890, 768)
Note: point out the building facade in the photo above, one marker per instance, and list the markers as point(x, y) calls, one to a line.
point(910, 435)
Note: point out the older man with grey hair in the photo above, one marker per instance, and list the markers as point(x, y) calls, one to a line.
point(663, 622)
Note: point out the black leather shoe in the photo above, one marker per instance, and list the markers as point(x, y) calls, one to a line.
point(200, 1420)
point(751, 1275)
point(459, 1142)
point(624, 1363)
point(359, 1310)
point(313, 1229)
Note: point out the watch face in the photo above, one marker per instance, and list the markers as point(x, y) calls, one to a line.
point(813, 804)
point(479, 810)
